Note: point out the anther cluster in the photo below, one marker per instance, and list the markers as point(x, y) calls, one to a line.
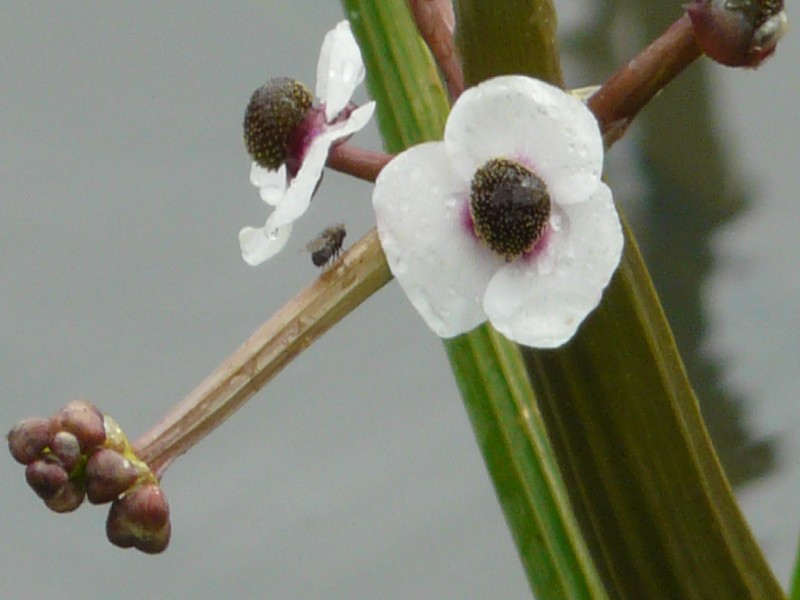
point(509, 206)
point(274, 112)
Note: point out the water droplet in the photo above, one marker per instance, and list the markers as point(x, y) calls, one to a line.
point(545, 264)
point(349, 70)
point(400, 267)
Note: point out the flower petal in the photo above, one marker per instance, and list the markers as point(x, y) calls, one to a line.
point(271, 184)
point(419, 205)
point(259, 243)
point(340, 69)
point(541, 302)
point(298, 196)
point(530, 121)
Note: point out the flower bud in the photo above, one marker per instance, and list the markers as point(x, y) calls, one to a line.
point(140, 519)
point(738, 33)
point(68, 498)
point(108, 474)
point(84, 420)
point(66, 448)
point(46, 477)
point(28, 438)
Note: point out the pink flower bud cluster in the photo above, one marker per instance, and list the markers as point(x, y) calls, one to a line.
point(80, 453)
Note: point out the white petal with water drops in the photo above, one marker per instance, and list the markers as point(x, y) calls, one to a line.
point(340, 69)
point(534, 123)
point(259, 244)
point(544, 309)
point(420, 202)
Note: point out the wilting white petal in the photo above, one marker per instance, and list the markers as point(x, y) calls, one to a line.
point(340, 69)
point(541, 302)
point(420, 208)
point(534, 123)
point(259, 244)
point(297, 198)
point(271, 184)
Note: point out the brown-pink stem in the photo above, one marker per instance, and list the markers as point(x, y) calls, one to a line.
point(620, 98)
point(435, 21)
point(364, 164)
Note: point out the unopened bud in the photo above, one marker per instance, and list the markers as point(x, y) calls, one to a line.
point(66, 448)
point(84, 420)
point(140, 519)
point(46, 478)
point(28, 438)
point(108, 474)
point(68, 498)
point(738, 33)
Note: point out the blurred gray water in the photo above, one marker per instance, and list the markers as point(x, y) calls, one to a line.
point(354, 474)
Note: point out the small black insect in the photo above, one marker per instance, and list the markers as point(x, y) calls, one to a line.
point(327, 245)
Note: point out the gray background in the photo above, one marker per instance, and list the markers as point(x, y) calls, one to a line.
point(354, 474)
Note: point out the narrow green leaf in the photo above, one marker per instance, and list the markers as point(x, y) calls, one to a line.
point(489, 369)
point(512, 437)
point(795, 585)
point(401, 77)
point(659, 514)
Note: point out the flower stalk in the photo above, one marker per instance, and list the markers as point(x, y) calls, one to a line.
point(358, 274)
point(357, 162)
point(631, 87)
point(436, 23)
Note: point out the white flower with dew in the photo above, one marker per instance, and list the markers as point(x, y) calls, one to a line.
point(506, 219)
point(289, 139)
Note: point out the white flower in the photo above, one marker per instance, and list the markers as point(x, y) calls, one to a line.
point(547, 270)
point(289, 188)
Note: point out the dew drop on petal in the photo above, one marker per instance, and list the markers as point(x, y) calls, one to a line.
point(545, 265)
point(349, 70)
point(400, 267)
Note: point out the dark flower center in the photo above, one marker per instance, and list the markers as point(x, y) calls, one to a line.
point(273, 115)
point(509, 206)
